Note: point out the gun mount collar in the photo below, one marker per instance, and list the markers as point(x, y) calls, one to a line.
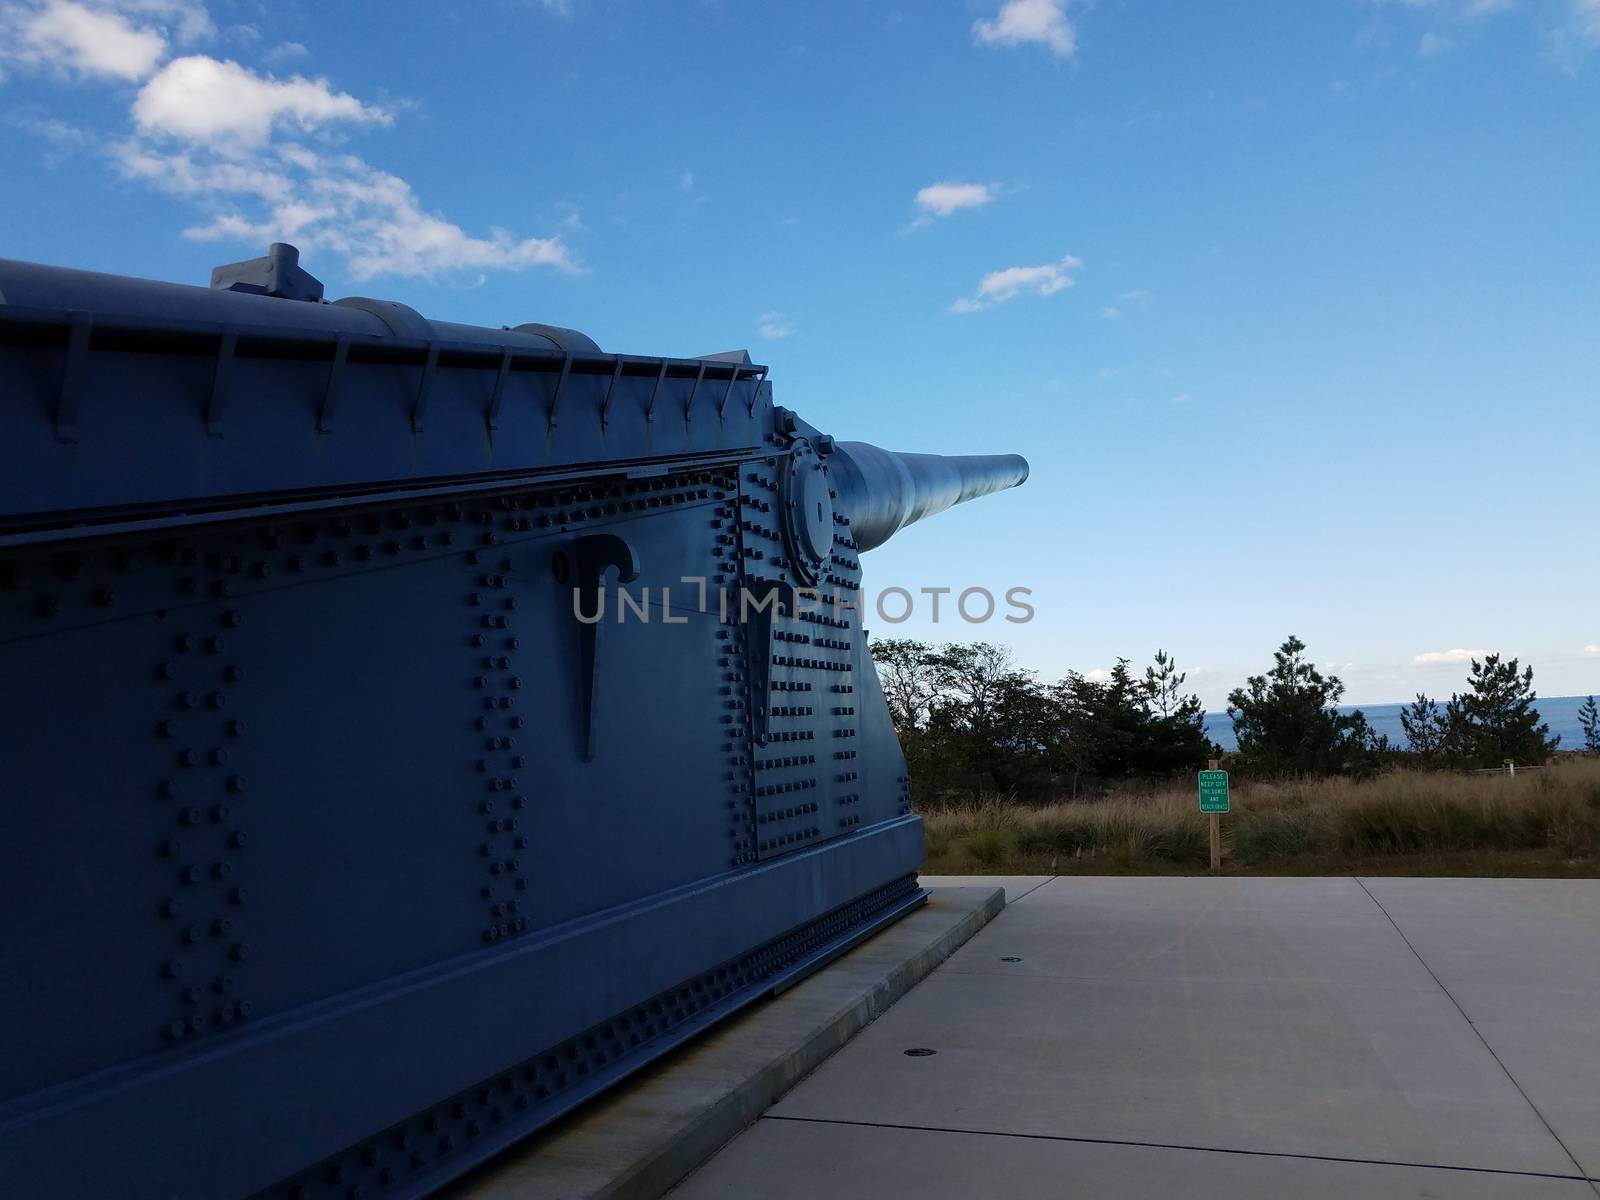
point(807, 491)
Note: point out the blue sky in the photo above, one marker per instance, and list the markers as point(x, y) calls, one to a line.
point(1292, 306)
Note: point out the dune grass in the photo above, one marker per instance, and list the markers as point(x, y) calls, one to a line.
point(1408, 822)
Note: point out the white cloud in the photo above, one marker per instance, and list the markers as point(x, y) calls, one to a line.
point(999, 286)
point(774, 325)
point(1455, 8)
point(1023, 21)
point(942, 199)
point(210, 100)
point(686, 182)
point(1180, 399)
point(1591, 651)
point(1111, 312)
point(91, 40)
point(187, 21)
point(1432, 45)
point(1586, 20)
point(1435, 657)
point(213, 133)
point(330, 202)
point(286, 52)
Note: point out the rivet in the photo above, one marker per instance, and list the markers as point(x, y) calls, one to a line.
point(236, 783)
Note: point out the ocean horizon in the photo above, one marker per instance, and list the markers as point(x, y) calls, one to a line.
point(1559, 712)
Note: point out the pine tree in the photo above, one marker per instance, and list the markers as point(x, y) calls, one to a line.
point(1287, 721)
point(1589, 719)
point(1424, 723)
point(1175, 734)
point(1495, 720)
point(1108, 723)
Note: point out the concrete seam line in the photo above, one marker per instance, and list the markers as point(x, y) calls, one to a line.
point(1095, 1141)
point(1042, 883)
point(1528, 1100)
point(654, 1174)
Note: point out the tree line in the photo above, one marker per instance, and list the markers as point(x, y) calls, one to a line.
point(972, 721)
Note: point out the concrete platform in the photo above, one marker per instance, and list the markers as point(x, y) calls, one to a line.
point(644, 1136)
point(1219, 1037)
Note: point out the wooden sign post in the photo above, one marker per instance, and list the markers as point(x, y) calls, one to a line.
point(1214, 802)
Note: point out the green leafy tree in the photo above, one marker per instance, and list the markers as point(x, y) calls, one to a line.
point(1425, 728)
point(1288, 723)
point(906, 674)
point(1494, 719)
point(1589, 719)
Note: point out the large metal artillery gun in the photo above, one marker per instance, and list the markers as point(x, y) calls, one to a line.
point(409, 728)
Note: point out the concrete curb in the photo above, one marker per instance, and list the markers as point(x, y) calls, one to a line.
point(636, 1142)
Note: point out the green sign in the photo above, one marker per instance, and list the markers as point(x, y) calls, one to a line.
point(1213, 791)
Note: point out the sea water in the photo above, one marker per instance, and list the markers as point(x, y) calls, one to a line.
point(1559, 712)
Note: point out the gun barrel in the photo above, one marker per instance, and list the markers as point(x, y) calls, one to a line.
point(884, 491)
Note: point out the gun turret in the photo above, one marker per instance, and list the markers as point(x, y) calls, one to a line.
point(377, 676)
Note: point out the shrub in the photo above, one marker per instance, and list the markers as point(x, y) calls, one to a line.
point(989, 846)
